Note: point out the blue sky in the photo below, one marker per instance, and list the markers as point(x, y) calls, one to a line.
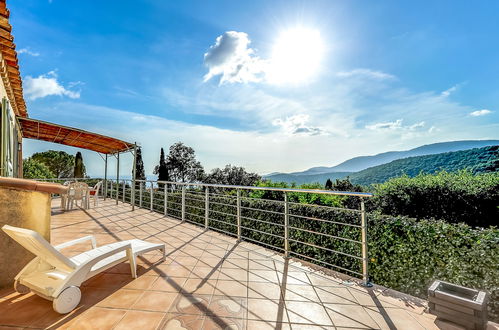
point(268, 85)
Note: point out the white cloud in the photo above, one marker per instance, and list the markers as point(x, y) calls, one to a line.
point(395, 125)
point(297, 124)
point(482, 112)
point(233, 59)
point(258, 151)
point(46, 85)
point(27, 51)
point(367, 73)
point(449, 91)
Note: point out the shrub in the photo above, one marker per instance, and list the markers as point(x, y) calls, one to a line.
point(408, 254)
point(453, 197)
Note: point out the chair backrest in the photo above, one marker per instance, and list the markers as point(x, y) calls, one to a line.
point(80, 189)
point(36, 244)
point(97, 187)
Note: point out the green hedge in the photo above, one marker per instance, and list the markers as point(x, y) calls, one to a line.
point(406, 254)
point(453, 197)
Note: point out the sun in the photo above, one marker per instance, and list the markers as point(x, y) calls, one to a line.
point(296, 56)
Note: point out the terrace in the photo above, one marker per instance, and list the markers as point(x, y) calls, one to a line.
point(209, 280)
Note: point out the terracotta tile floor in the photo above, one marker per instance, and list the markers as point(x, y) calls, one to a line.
point(208, 281)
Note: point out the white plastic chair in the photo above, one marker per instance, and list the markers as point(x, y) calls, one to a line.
point(53, 276)
point(64, 197)
point(78, 191)
point(94, 192)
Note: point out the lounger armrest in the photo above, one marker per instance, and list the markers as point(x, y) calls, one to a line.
point(77, 241)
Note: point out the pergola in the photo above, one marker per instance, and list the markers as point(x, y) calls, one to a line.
point(74, 137)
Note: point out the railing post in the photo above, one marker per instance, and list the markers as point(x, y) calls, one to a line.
point(152, 196)
point(124, 190)
point(238, 215)
point(183, 202)
point(117, 177)
point(365, 256)
point(134, 176)
point(165, 202)
point(286, 225)
point(111, 182)
point(140, 193)
point(206, 206)
point(105, 178)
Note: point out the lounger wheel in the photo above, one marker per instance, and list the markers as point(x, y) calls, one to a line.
point(20, 288)
point(67, 300)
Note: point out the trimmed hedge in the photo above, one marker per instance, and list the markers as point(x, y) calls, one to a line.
point(453, 197)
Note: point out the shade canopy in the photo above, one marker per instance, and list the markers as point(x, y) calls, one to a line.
point(41, 130)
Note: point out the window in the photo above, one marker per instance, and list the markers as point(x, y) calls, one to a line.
point(9, 142)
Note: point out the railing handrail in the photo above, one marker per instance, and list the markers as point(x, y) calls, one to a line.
point(296, 190)
point(214, 185)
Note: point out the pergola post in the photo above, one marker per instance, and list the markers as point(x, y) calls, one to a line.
point(117, 177)
point(105, 177)
point(134, 172)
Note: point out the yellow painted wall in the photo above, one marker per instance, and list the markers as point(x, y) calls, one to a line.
point(25, 209)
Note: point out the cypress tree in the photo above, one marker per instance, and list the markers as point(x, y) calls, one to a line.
point(79, 169)
point(162, 169)
point(139, 167)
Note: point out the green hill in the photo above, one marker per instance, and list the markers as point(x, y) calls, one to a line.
point(476, 160)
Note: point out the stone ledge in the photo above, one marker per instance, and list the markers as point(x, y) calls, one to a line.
point(23, 184)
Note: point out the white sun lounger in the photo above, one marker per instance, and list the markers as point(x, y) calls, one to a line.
point(56, 277)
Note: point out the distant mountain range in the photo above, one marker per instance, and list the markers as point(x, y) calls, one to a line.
point(477, 160)
point(357, 164)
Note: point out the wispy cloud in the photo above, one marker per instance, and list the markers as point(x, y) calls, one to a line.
point(482, 112)
point(28, 52)
point(366, 73)
point(395, 125)
point(233, 59)
point(46, 85)
point(449, 91)
point(298, 124)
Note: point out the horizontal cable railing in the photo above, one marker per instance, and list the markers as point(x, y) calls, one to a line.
point(307, 224)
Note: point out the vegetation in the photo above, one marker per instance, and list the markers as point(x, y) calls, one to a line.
point(79, 169)
point(306, 178)
point(232, 175)
point(139, 166)
point(34, 169)
point(60, 163)
point(453, 197)
point(476, 160)
point(162, 169)
point(182, 164)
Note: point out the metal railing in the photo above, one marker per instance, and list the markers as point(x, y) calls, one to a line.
point(304, 223)
point(283, 219)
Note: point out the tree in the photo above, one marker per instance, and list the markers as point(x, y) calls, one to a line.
point(232, 175)
point(139, 166)
point(79, 170)
point(349, 202)
point(182, 164)
point(162, 169)
point(329, 184)
point(34, 169)
point(60, 163)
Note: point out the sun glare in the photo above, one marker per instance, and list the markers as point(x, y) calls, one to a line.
point(296, 56)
